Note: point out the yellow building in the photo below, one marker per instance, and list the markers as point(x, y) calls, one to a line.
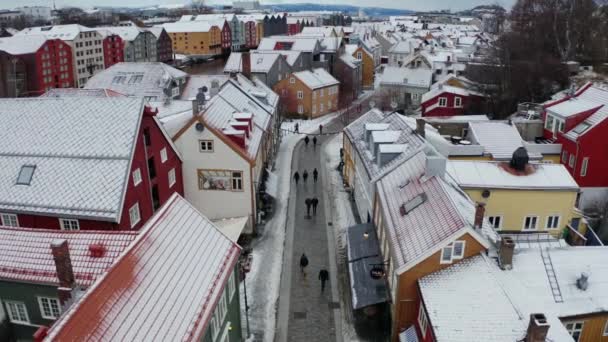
point(539, 198)
point(195, 38)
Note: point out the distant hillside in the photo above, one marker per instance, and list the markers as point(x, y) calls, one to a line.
point(352, 10)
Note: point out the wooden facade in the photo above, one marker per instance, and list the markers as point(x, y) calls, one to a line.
point(311, 103)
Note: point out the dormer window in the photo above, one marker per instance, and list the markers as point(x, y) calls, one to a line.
point(26, 174)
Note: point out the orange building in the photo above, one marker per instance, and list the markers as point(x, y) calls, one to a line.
point(308, 93)
point(367, 63)
point(195, 38)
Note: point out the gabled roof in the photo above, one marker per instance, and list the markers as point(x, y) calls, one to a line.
point(447, 89)
point(165, 286)
point(499, 139)
point(317, 78)
point(81, 148)
point(190, 26)
point(407, 77)
point(63, 32)
point(137, 79)
point(126, 33)
point(302, 44)
point(260, 62)
point(79, 92)
point(21, 45)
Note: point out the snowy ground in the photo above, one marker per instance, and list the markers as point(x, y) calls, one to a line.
point(263, 282)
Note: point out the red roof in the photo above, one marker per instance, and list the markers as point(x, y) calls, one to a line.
point(25, 254)
point(165, 287)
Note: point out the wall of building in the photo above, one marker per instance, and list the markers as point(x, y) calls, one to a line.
point(368, 64)
point(113, 51)
point(449, 110)
point(198, 43)
point(13, 76)
point(593, 327)
point(88, 55)
point(231, 325)
point(164, 47)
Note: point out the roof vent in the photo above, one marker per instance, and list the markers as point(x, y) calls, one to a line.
point(412, 204)
point(583, 281)
point(97, 250)
point(520, 159)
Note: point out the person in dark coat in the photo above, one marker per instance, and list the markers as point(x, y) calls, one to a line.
point(324, 277)
point(315, 175)
point(306, 140)
point(297, 128)
point(320, 129)
point(314, 142)
point(305, 176)
point(303, 262)
point(314, 202)
point(296, 177)
point(308, 202)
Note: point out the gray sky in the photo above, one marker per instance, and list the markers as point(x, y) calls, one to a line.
point(416, 5)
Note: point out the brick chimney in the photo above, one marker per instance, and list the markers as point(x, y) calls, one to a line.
point(480, 211)
point(505, 253)
point(537, 328)
point(63, 265)
point(420, 123)
point(246, 64)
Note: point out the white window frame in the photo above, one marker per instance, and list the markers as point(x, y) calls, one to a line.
point(69, 224)
point(459, 242)
point(451, 250)
point(553, 218)
point(321, 107)
point(9, 219)
point(584, 166)
point(300, 109)
point(132, 211)
point(174, 91)
point(163, 155)
point(572, 329)
point(300, 94)
point(314, 109)
point(422, 321)
point(359, 55)
point(207, 143)
point(523, 227)
point(605, 333)
point(292, 80)
point(414, 96)
point(136, 177)
point(564, 157)
point(492, 218)
point(231, 286)
point(445, 249)
point(43, 313)
point(236, 179)
point(17, 320)
point(458, 102)
point(571, 160)
point(444, 100)
point(171, 176)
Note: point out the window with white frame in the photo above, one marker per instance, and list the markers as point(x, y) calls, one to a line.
point(300, 94)
point(215, 326)
point(300, 109)
point(446, 255)
point(584, 166)
point(415, 97)
point(50, 308)
point(314, 109)
point(453, 251)
point(321, 92)
point(359, 55)
point(205, 145)
point(314, 94)
point(571, 160)
point(163, 155)
point(9, 220)
point(553, 222)
point(134, 215)
point(561, 125)
point(136, 177)
point(17, 312)
point(321, 107)
point(575, 329)
point(171, 177)
point(292, 80)
point(458, 102)
point(237, 180)
point(605, 329)
point(329, 105)
point(549, 123)
point(443, 102)
point(495, 221)
point(530, 222)
point(231, 286)
point(458, 250)
point(69, 224)
point(422, 321)
point(564, 156)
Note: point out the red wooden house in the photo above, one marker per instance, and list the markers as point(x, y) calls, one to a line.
point(113, 49)
point(82, 161)
point(579, 122)
point(449, 97)
point(226, 37)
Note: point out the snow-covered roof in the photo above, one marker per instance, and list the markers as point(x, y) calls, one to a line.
point(127, 33)
point(21, 45)
point(572, 107)
point(492, 175)
point(419, 77)
point(63, 32)
point(443, 210)
point(454, 297)
point(404, 46)
point(137, 79)
point(195, 82)
point(80, 92)
point(232, 227)
point(260, 62)
point(189, 26)
point(317, 78)
point(349, 60)
point(457, 119)
point(81, 161)
point(166, 285)
point(322, 31)
point(330, 44)
point(499, 139)
point(446, 89)
point(25, 254)
point(302, 44)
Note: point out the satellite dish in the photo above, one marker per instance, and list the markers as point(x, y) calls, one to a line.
point(199, 127)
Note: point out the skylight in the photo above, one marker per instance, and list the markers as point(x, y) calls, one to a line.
point(136, 79)
point(412, 204)
point(26, 174)
point(580, 128)
point(119, 79)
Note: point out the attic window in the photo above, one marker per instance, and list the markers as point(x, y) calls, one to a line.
point(412, 204)
point(580, 128)
point(404, 184)
point(26, 174)
point(136, 79)
point(119, 79)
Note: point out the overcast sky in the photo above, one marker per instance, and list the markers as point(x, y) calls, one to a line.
point(417, 5)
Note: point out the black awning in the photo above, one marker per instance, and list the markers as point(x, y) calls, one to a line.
point(363, 255)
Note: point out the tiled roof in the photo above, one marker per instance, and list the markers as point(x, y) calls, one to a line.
point(302, 44)
point(317, 78)
point(21, 45)
point(81, 148)
point(407, 77)
point(25, 254)
point(499, 139)
point(164, 287)
point(137, 79)
point(588, 94)
point(63, 32)
point(260, 62)
point(79, 92)
point(189, 26)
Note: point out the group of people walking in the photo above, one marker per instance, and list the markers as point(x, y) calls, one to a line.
point(315, 176)
point(323, 273)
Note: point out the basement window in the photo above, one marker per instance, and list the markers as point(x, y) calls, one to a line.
point(26, 174)
point(412, 204)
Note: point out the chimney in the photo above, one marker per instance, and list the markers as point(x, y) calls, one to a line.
point(246, 64)
point(435, 166)
point(63, 265)
point(505, 253)
point(537, 328)
point(583, 282)
point(480, 211)
point(420, 124)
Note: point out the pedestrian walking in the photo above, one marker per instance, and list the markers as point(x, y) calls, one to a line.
point(305, 176)
point(296, 177)
point(306, 140)
point(324, 277)
point(314, 202)
point(303, 262)
point(320, 129)
point(297, 128)
point(308, 203)
point(315, 175)
point(314, 142)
